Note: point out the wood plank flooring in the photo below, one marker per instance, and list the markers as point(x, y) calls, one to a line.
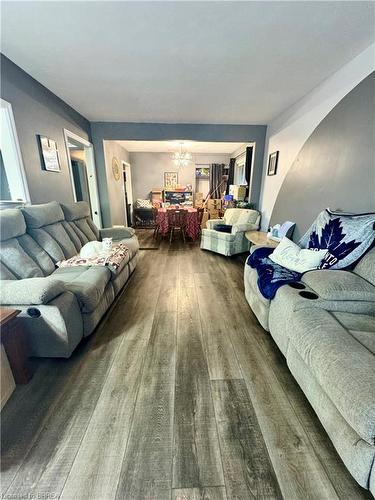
point(178, 395)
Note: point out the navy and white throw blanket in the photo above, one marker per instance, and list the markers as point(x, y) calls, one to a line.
point(346, 236)
point(271, 276)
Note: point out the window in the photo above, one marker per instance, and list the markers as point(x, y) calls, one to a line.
point(12, 176)
point(239, 170)
point(4, 184)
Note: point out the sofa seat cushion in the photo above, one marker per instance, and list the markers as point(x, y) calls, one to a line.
point(343, 366)
point(339, 285)
point(360, 326)
point(132, 244)
point(91, 256)
point(87, 284)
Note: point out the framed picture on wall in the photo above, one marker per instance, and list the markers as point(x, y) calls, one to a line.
point(202, 172)
point(170, 180)
point(272, 163)
point(116, 170)
point(49, 154)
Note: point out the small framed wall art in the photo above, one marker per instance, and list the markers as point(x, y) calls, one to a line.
point(49, 154)
point(272, 163)
point(170, 180)
point(116, 171)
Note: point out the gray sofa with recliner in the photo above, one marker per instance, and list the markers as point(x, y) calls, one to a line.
point(58, 306)
point(325, 327)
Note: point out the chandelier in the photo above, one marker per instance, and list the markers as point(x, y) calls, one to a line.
point(182, 158)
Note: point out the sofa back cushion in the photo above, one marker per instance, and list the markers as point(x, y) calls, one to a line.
point(36, 252)
point(12, 224)
point(78, 218)
point(35, 237)
point(240, 216)
point(5, 273)
point(21, 257)
point(366, 266)
point(45, 224)
point(18, 261)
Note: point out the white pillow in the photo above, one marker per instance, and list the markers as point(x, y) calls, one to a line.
point(291, 256)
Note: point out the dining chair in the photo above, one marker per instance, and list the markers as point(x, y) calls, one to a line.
point(176, 221)
point(156, 223)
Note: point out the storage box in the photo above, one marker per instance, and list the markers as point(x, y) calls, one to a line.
point(198, 204)
point(156, 196)
point(198, 196)
point(214, 204)
point(205, 218)
point(214, 214)
point(238, 192)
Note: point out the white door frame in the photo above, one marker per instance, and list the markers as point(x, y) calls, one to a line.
point(91, 174)
point(129, 188)
point(11, 151)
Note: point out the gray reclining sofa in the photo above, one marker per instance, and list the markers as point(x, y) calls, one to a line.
point(58, 305)
point(325, 327)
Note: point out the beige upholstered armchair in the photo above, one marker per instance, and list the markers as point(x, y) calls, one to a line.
point(241, 220)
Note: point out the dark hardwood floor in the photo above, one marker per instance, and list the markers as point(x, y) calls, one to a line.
point(179, 395)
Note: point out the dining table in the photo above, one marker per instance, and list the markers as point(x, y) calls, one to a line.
point(192, 229)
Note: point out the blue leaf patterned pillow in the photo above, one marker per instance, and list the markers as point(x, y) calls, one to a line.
point(347, 237)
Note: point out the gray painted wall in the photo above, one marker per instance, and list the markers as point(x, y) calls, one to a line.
point(336, 166)
point(102, 131)
point(38, 111)
point(148, 170)
point(116, 195)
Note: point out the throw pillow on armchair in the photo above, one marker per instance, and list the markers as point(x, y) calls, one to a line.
point(223, 228)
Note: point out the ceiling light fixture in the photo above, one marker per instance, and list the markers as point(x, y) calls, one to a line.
point(182, 158)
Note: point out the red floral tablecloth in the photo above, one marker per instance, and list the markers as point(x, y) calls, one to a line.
point(192, 222)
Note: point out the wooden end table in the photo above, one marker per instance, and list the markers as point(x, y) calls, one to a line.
point(15, 345)
point(260, 238)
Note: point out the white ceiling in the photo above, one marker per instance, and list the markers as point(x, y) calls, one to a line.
point(184, 62)
point(190, 146)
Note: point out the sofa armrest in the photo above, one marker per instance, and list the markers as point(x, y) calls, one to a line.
point(211, 222)
point(243, 228)
point(117, 232)
point(339, 285)
point(33, 291)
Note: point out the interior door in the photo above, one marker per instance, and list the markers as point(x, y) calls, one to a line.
point(80, 178)
point(127, 204)
point(83, 173)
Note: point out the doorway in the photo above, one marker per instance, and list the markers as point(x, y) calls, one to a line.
point(13, 184)
point(82, 173)
point(128, 192)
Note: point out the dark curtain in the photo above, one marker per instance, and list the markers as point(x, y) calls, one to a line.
point(230, 181)
point(216, 179)
point(248, 163)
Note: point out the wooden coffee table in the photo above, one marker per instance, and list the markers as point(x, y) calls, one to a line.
point(15, 345)
point(260, 238)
